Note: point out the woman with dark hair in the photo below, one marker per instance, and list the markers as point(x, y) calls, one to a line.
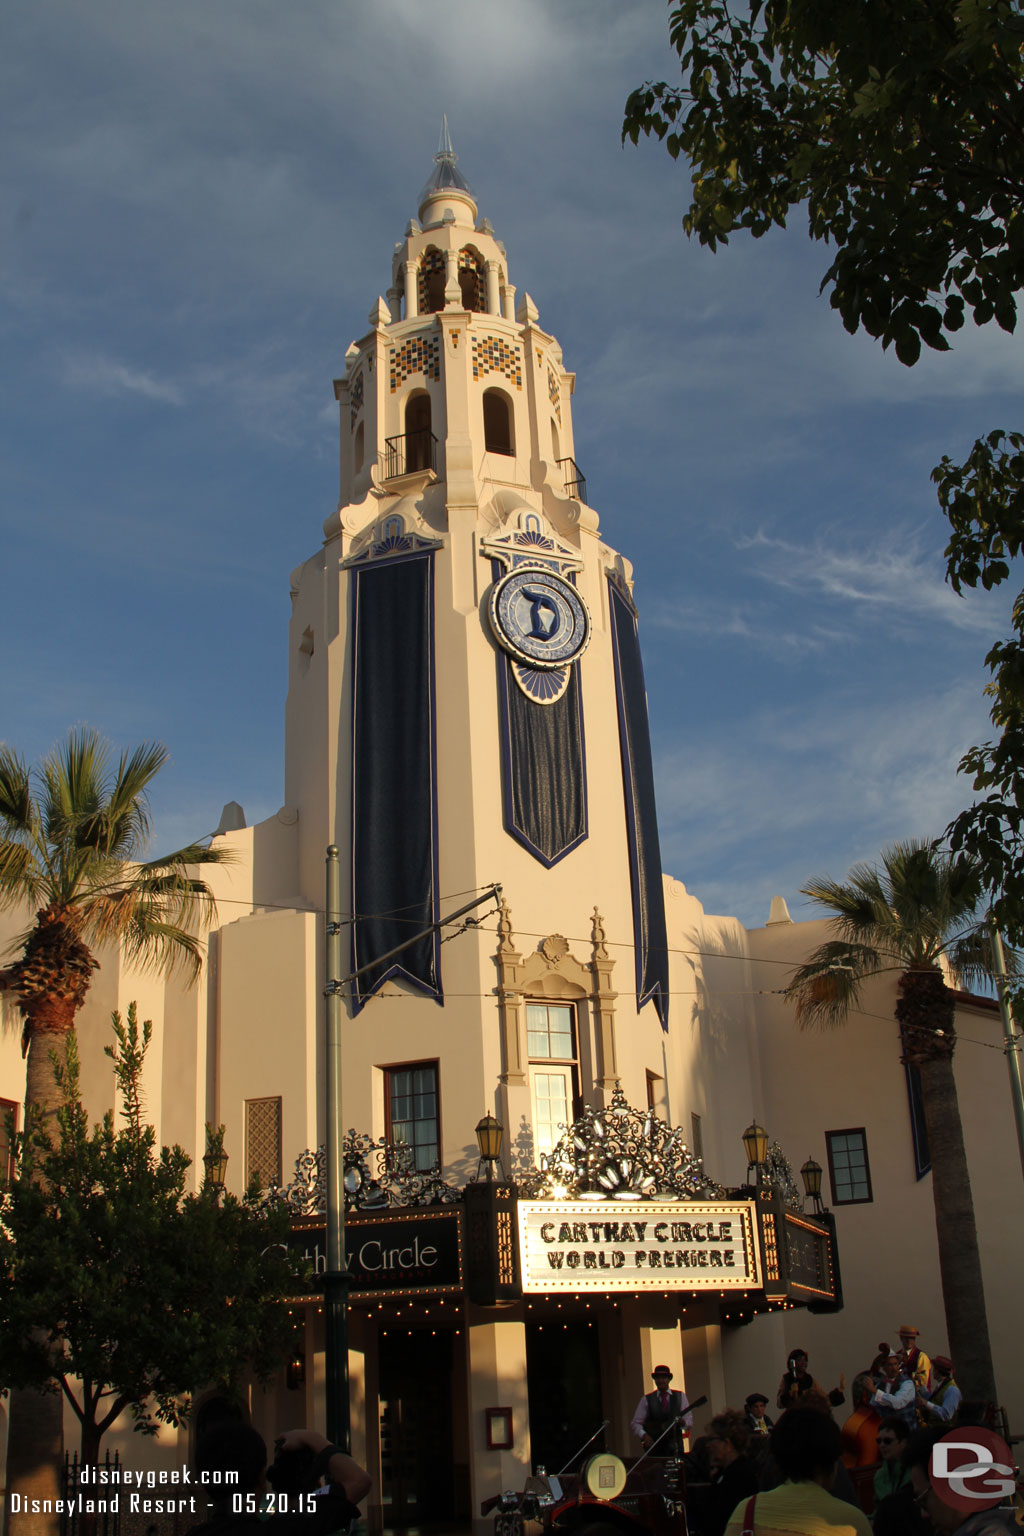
point(806, 1445)
point(734, 1473)
point(797, 1380)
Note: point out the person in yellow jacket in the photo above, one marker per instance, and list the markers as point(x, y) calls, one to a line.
point(913, 1360)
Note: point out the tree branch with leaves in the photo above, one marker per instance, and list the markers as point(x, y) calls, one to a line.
point(896, 128)
point(120, 1287)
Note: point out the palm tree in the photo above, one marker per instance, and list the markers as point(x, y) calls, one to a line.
point(918, 913)
point(72, 834)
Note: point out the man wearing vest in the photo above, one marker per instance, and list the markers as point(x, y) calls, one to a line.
point(657, 1410)
point(940, 1404)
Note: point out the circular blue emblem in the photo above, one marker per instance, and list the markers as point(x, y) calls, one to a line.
point(539, 617)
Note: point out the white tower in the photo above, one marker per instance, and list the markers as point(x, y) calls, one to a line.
point(466, 703)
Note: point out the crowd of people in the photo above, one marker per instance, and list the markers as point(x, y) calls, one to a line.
point(805, 1471)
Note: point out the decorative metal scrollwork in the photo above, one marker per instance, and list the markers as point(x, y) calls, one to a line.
point(779, 1171)
point(306, 1195)
point(620, 1153)
point(376, 1176)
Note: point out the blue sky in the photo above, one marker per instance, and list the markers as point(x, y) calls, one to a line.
point(199, 204)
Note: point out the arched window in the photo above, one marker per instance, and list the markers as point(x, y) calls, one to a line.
point(498, 422)
point(358, 449)
point(418, 440)
point(472, 282)
point(433, 276)
point(556, 451)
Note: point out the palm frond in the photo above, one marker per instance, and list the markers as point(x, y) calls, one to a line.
point(860, 909)
point(72, 777)
point(969, 957)
point(18, 813)
point(827, 985)
point(195, 853)
point(166, 902)
point(913, 906)
point(151, 943)
point(79, 840)
point(20, 875)
point(127, 806)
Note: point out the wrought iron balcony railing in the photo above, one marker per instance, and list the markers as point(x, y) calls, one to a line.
point(410, 452)
point(575, 481)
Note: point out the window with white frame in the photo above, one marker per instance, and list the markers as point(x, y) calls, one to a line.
point(554, 1071)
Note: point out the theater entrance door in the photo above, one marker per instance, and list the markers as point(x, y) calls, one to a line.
point(415, 1387)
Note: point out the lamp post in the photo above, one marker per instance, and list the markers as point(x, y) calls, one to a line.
point(336, 1280)
point(755, 1144)
point(1010, 1036)
point(295, 1371)
point(215, 1162)
point(811, 1175)
point(489, 1132)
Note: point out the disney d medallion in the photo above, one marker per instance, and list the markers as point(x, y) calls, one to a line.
point(539, 617)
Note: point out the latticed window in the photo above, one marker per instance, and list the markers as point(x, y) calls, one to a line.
point(848, 1167)
point(412, 1111)
point(263, 1141)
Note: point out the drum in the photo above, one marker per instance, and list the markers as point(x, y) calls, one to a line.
point(604, 1476)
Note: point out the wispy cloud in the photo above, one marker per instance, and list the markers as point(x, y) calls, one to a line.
point(98, 374)
point(894, 578)
point(709, 620)
point(793, 792)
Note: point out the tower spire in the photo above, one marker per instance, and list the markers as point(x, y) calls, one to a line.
point(446, 177)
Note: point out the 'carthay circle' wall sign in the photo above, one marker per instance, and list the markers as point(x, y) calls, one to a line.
point(539, 617)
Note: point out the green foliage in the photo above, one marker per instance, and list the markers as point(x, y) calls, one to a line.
point(983, 499)
point(918, 908)
point(896, 126)
point(113, 1272)
point(73, 832)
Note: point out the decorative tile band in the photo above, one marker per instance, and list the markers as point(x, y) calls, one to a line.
point(357, 397)
point(493, 354)
point(555, 394)
point(420, 354)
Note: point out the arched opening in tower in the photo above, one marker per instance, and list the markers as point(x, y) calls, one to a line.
point(433, 276)
point(418, 439)
point(498, 422)
point(472, 282)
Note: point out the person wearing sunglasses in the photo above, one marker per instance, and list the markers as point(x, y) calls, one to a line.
point(892, 1475)
point(941, 1514)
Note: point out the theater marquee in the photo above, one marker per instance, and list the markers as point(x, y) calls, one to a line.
point(643, 1245)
